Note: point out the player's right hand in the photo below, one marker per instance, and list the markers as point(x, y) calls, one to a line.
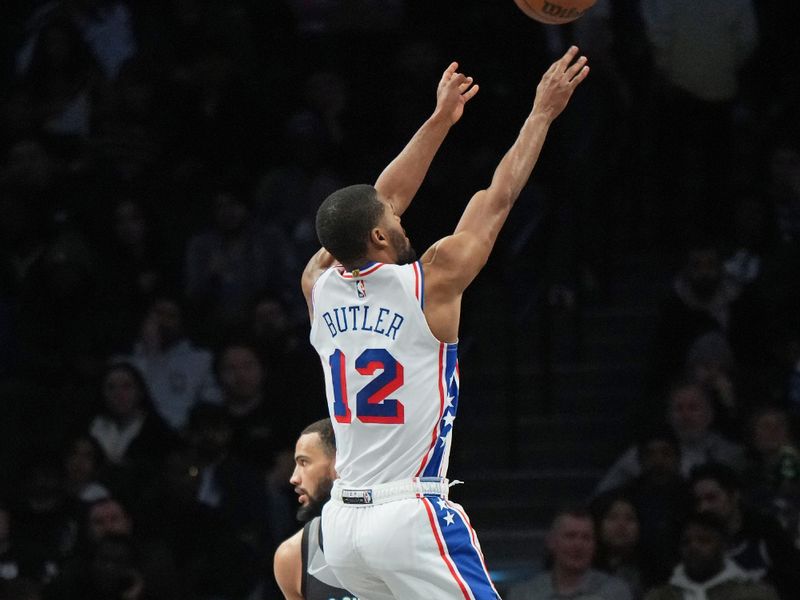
point(454, 91)
point(558, 82)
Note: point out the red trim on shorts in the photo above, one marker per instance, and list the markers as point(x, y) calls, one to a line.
point(434, 436)
point(442, 551)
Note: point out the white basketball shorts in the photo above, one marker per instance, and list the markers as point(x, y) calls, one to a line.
point(403, 541)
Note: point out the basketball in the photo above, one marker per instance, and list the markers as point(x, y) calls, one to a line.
point(554, 12)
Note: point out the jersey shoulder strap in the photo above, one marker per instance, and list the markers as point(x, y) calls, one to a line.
point(304, 557)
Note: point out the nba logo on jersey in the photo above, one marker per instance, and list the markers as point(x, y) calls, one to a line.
point(361, 288)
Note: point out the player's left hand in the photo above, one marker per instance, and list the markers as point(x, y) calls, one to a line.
point(454, 91)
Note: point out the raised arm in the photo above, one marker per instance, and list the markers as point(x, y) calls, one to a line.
point(400, 180)
point(452, 263)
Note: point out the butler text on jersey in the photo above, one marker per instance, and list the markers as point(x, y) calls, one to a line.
point(378, 320)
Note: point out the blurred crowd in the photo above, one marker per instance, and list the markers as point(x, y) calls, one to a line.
point(160, 166)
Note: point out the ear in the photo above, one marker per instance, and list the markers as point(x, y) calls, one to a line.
point(378, 237)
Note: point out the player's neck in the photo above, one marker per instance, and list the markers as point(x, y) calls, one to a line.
point(366, 262)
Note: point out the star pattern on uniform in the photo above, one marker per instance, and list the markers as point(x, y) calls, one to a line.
point(449, 418)
point(449, 403)
point(442, 503)
point(444, 438)
point(449, 519)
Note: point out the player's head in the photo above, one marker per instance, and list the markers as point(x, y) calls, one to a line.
point(315, 468)
point(355, 225)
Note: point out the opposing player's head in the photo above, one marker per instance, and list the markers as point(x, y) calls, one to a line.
point(356, 225)
point(315, 468)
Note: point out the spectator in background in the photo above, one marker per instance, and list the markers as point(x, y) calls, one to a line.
point(703, 299)
point(571, 544)
point(233, 489)
point(256, 424)
point(233, 261)
point(690, 416)
point(84, 460)
point(774, 455)
point(112, 571)
point(618, 540)
point(45, 519)
point(279, 333)
point(710, 362)
point(133, 130)
point(661, 497)
point(212, 560)
point(126, 426)
point(107, 518)
point(19, 570)
point(132, 435)
point(178, 374)
point(61, 81)
point(704, 571)
point(755, 542)
point(136, 265)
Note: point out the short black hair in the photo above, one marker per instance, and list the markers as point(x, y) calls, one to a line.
point(725, 476)
point(345, 219)
point(324, 428)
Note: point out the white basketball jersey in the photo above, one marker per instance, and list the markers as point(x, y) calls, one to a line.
point(392, 387)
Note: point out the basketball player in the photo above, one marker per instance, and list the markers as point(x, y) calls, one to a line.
point(300, 567)
point(386, 328)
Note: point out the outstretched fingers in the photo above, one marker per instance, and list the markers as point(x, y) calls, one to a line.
point(577, 71)
point(563, 62)
point(470, 93)
point(464, 84)
point(448, 72)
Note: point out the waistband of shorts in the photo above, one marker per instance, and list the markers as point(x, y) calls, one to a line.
point(389, 492)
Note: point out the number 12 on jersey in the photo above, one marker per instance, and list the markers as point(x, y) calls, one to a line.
point(373, 404)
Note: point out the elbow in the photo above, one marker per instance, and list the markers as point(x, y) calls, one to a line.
point(504, 196)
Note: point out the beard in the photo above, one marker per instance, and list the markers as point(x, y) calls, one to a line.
point(314, 506)
point(405, 253)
